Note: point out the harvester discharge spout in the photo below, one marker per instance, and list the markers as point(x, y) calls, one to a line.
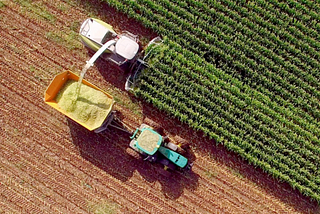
point(100, 51)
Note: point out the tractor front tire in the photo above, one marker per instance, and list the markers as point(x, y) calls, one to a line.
point(183, 144)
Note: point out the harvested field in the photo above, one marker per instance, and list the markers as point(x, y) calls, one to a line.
point(50, 164)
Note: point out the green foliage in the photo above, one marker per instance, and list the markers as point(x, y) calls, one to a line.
point(245, 74)
point(2, 5)
point(38, 9)
point(104, 207)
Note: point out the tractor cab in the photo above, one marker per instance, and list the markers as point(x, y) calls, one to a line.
point(146, 140)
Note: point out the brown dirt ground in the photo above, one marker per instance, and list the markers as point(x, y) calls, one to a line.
point(50, 164)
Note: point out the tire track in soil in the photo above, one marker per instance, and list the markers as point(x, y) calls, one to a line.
point(19, 186)
point(8, 207)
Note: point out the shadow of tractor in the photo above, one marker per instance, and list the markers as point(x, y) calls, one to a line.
point(107, 151)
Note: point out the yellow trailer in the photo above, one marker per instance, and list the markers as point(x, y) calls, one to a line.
point(92, 107)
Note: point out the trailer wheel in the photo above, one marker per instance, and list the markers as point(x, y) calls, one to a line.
point(133, 153)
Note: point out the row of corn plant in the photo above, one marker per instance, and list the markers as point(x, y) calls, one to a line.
point(190, 83)
point(277, 160)
point(264, 108)
point(240, 65)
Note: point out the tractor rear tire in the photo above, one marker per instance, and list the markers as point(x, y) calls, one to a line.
point(154, 125)
point(172, 166)
point(164, 172)
point(133, 153)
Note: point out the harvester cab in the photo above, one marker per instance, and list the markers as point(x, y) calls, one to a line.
point(153, 147)
point(124, 49)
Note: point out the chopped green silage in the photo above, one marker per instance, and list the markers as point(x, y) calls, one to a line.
point(91, 107)
point(148, 140)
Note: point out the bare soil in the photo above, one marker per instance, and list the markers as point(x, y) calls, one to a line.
point(50, 164)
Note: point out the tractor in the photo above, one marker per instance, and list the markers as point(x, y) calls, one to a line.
point(156, 148)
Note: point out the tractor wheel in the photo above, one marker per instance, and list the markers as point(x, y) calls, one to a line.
point(181, 150)
point(167, 164)
point(133, 153)
point(182, 143)
point(172, 166)
point(172, 146)
point(155, 126)
point(164, 171)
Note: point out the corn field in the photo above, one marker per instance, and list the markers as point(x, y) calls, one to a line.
point(245, 73)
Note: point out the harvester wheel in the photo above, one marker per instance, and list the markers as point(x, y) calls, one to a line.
point(182, 143)
point(133, 153)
